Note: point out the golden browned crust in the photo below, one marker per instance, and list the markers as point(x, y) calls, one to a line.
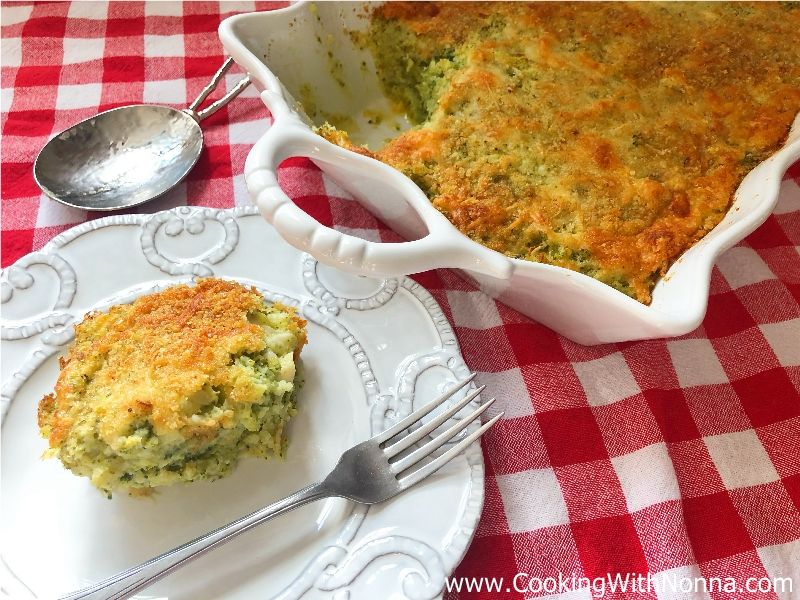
point(147, 358)
point(602, 137)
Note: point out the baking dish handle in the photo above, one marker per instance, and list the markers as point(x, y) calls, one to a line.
point(442, 247)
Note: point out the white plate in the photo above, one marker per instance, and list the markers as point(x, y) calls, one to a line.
point(376, 349)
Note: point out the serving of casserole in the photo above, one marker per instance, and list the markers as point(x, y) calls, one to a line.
point(604, 142)
point(176, 386)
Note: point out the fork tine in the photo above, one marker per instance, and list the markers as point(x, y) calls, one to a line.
point(418, 414)
point(445, 458)
point(409, 461)
point(418, 434)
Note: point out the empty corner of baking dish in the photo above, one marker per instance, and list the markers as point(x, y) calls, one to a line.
point(243, 35)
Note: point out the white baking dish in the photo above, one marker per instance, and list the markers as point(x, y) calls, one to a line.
point(304, 51)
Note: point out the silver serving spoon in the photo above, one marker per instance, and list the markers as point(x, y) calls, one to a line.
point(128, 155)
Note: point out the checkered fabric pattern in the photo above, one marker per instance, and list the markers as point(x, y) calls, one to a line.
point(676, 457)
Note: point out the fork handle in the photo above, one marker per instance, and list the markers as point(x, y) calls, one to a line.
point(127, 583)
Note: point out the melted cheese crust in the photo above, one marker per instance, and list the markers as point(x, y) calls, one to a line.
point(606, 138)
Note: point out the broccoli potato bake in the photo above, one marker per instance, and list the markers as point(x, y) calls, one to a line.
point(606, 138)
point(176, 386)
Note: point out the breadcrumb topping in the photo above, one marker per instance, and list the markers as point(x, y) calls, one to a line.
point(606, 138)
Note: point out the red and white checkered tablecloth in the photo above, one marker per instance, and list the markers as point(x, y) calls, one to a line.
point(675, 458)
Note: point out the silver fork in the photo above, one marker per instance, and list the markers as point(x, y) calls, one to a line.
point(370, 472)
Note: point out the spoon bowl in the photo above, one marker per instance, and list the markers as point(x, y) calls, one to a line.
point(129, 155)
point(120, 158)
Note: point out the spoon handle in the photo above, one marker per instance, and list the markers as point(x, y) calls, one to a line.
point(226, 66)
point(204, 93)
point(216, 105)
